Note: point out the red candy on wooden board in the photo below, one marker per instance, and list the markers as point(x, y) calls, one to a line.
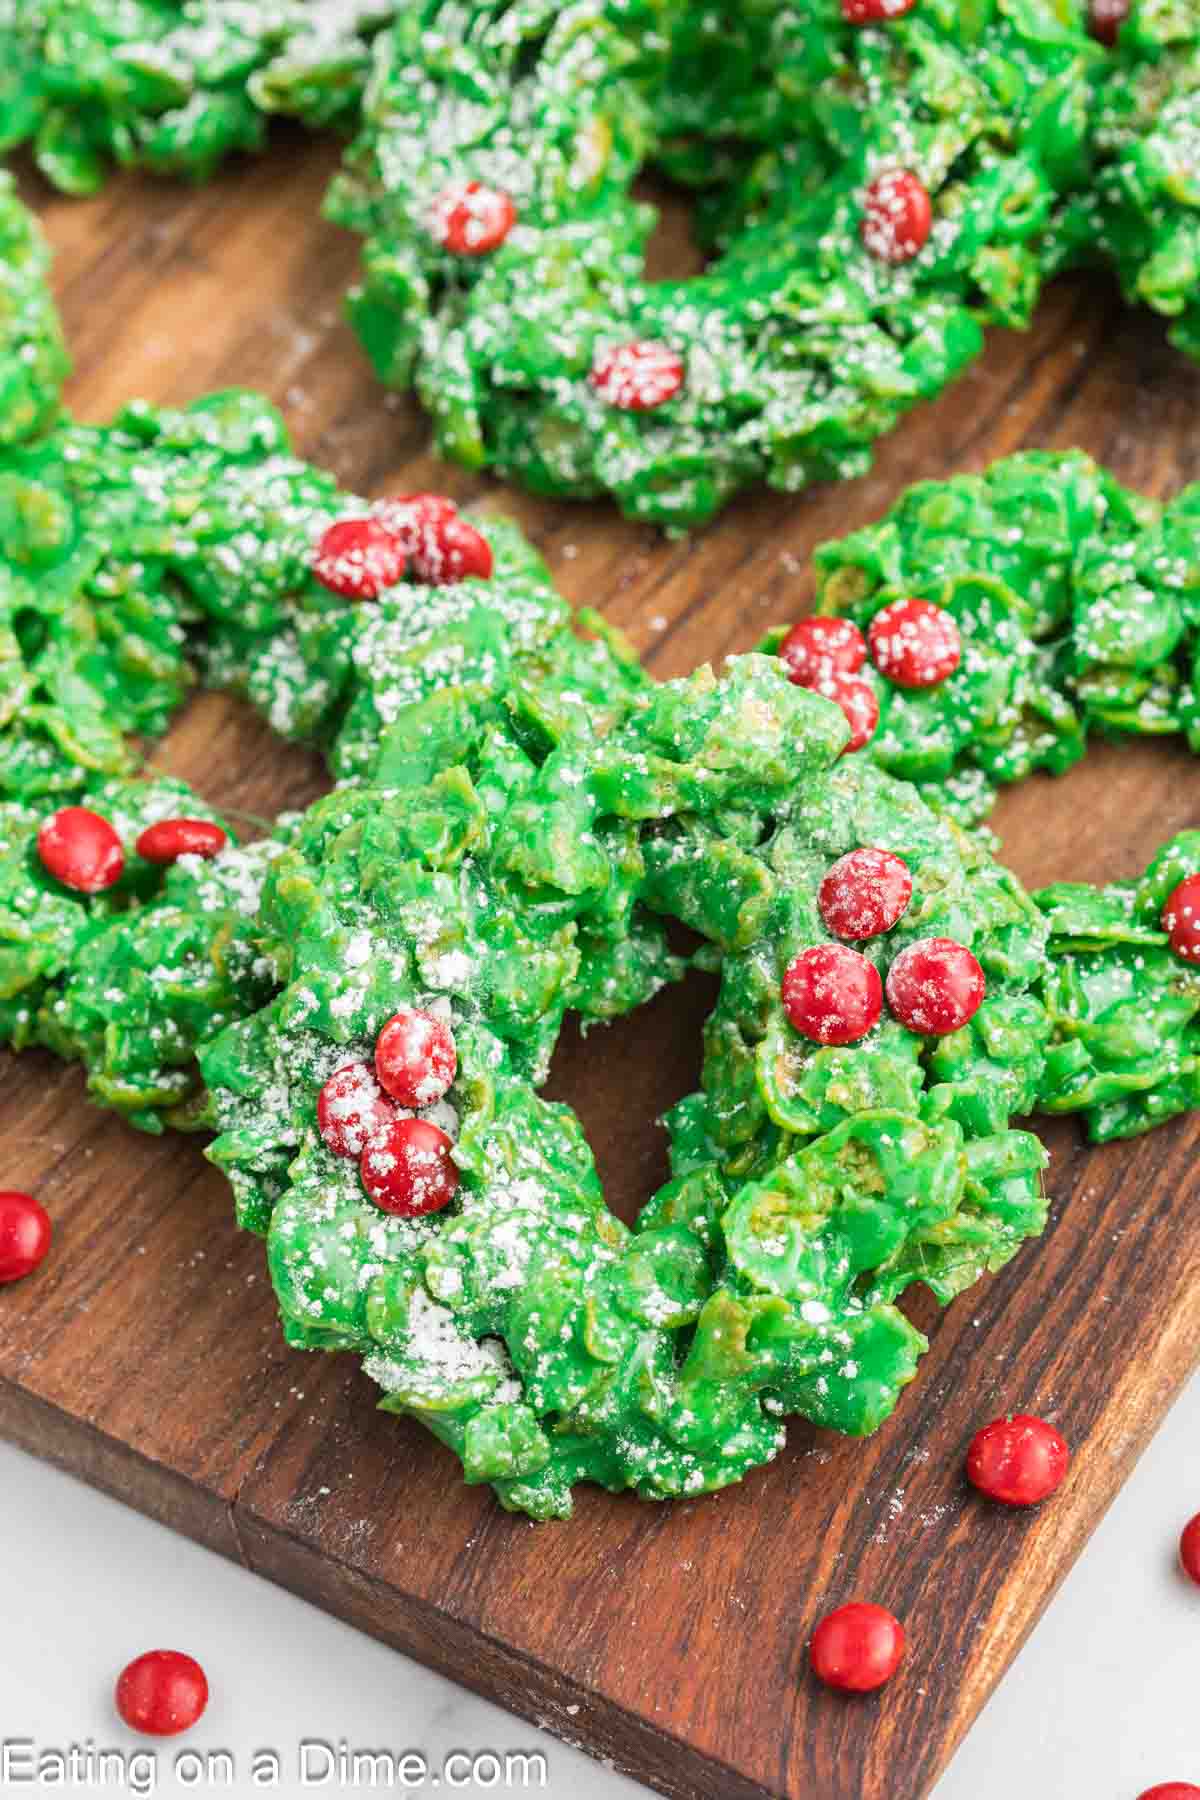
point(897, 216)
point(935, 986)
point(859, 702)
point(817, 647)
point(358, 558)
point(1019, 1460)
point(407, 1169)
point(169, 839)
point(81, 849)
point(857, 1648)
point(25, 1234)
point(1181, 919)
point(471, 219)
point(864, 893)
point(831, 994)
point(638, 376)
point(161, 1693)
point(914, 643)
point(352, 1109)
point(415, 1057)
point(1189, 1549)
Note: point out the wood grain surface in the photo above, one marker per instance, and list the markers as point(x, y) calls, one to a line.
point(146, 1355)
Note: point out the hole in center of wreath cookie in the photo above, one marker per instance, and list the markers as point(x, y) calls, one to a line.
point(672, 252)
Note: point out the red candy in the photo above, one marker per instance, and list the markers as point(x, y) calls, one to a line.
point(471, 219)
point(935, 986)
point(1171, 1790)
point(914, 643)
point(865, 893)
point(897, 216)
point(440, 546)
point(831, 994)
point(1020, 1460)
point(415, 1057)
point(818, 647)
point(875, 12)
point(81, 849)
point(1181, 919)
point(161, 1693)
point(172, 838)
point(352, 1109)
point(638, 376)
point(857, 1648)
point(358, 558)
point(860, 703)
point(25, 1233)
point(408, 1170)
point(1105, 19)
point(1189, 1549)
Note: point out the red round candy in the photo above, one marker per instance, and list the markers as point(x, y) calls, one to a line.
point(860, 703)
point(1181, 919)
point(352, 1109)
point(817, 647)
point(875, 12)
point(865, 893)
point(1019, 1460)
point(831, 994)
point(1171, 1790)
point(440, 546)
point(935, 986)
point(81, 849)
point(1105, 19)
point(358, 558)
point(471, 219)
point(638, 376)
point(408, 1169)
point(415, 1057)
point(1189, 1549)
point(914, 643)
point(172, 838)
point(857, 1648)
point(897, 216)
point(25, 1233)
point(161, 1693)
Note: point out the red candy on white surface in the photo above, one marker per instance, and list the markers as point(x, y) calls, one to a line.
point(858, 701)
point(172, 838)
point(1019, 1461)
point(415, 1057)
point(408, 1169)
point(915, 643)
point(80, 848)
point(25, 1234)
point(819, 647)
point(352, 1109)
point(831, 994)
point(161, 1693)
point(358, 558)
point(864, 893)
point(1181, 919)
point(471, 219)
point(638, 376)
point(1171, 1790)
point(897, 216)
point(857, 1648)
point(935, 986)
point(1189, 1549)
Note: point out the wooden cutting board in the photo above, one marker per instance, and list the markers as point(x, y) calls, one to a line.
point(146, 1357)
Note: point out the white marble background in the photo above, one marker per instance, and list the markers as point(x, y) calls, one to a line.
point(1103, 1702)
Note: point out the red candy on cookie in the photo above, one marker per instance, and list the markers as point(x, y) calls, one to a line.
point(1019, 1461)
point(358, 558)
point(1181, 919)
point(439, 545)
point(169, 839)
point(831, 994)
point(857, 1648)
point(80, 848)
point(897, 216)
point(161, 1693)
point(1105, 19)
point(638, 376)
point(864, 893)
point(818, 647)
point(859, 702)
point(352, 1109)
point(875, 12)
point(915, 643)
point(935, 986)
point(471, 219)
point(415, 1057)
point(25, 1234)
point(407, 1168)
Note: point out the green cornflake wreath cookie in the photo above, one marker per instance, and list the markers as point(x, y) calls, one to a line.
point(364, 1006)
